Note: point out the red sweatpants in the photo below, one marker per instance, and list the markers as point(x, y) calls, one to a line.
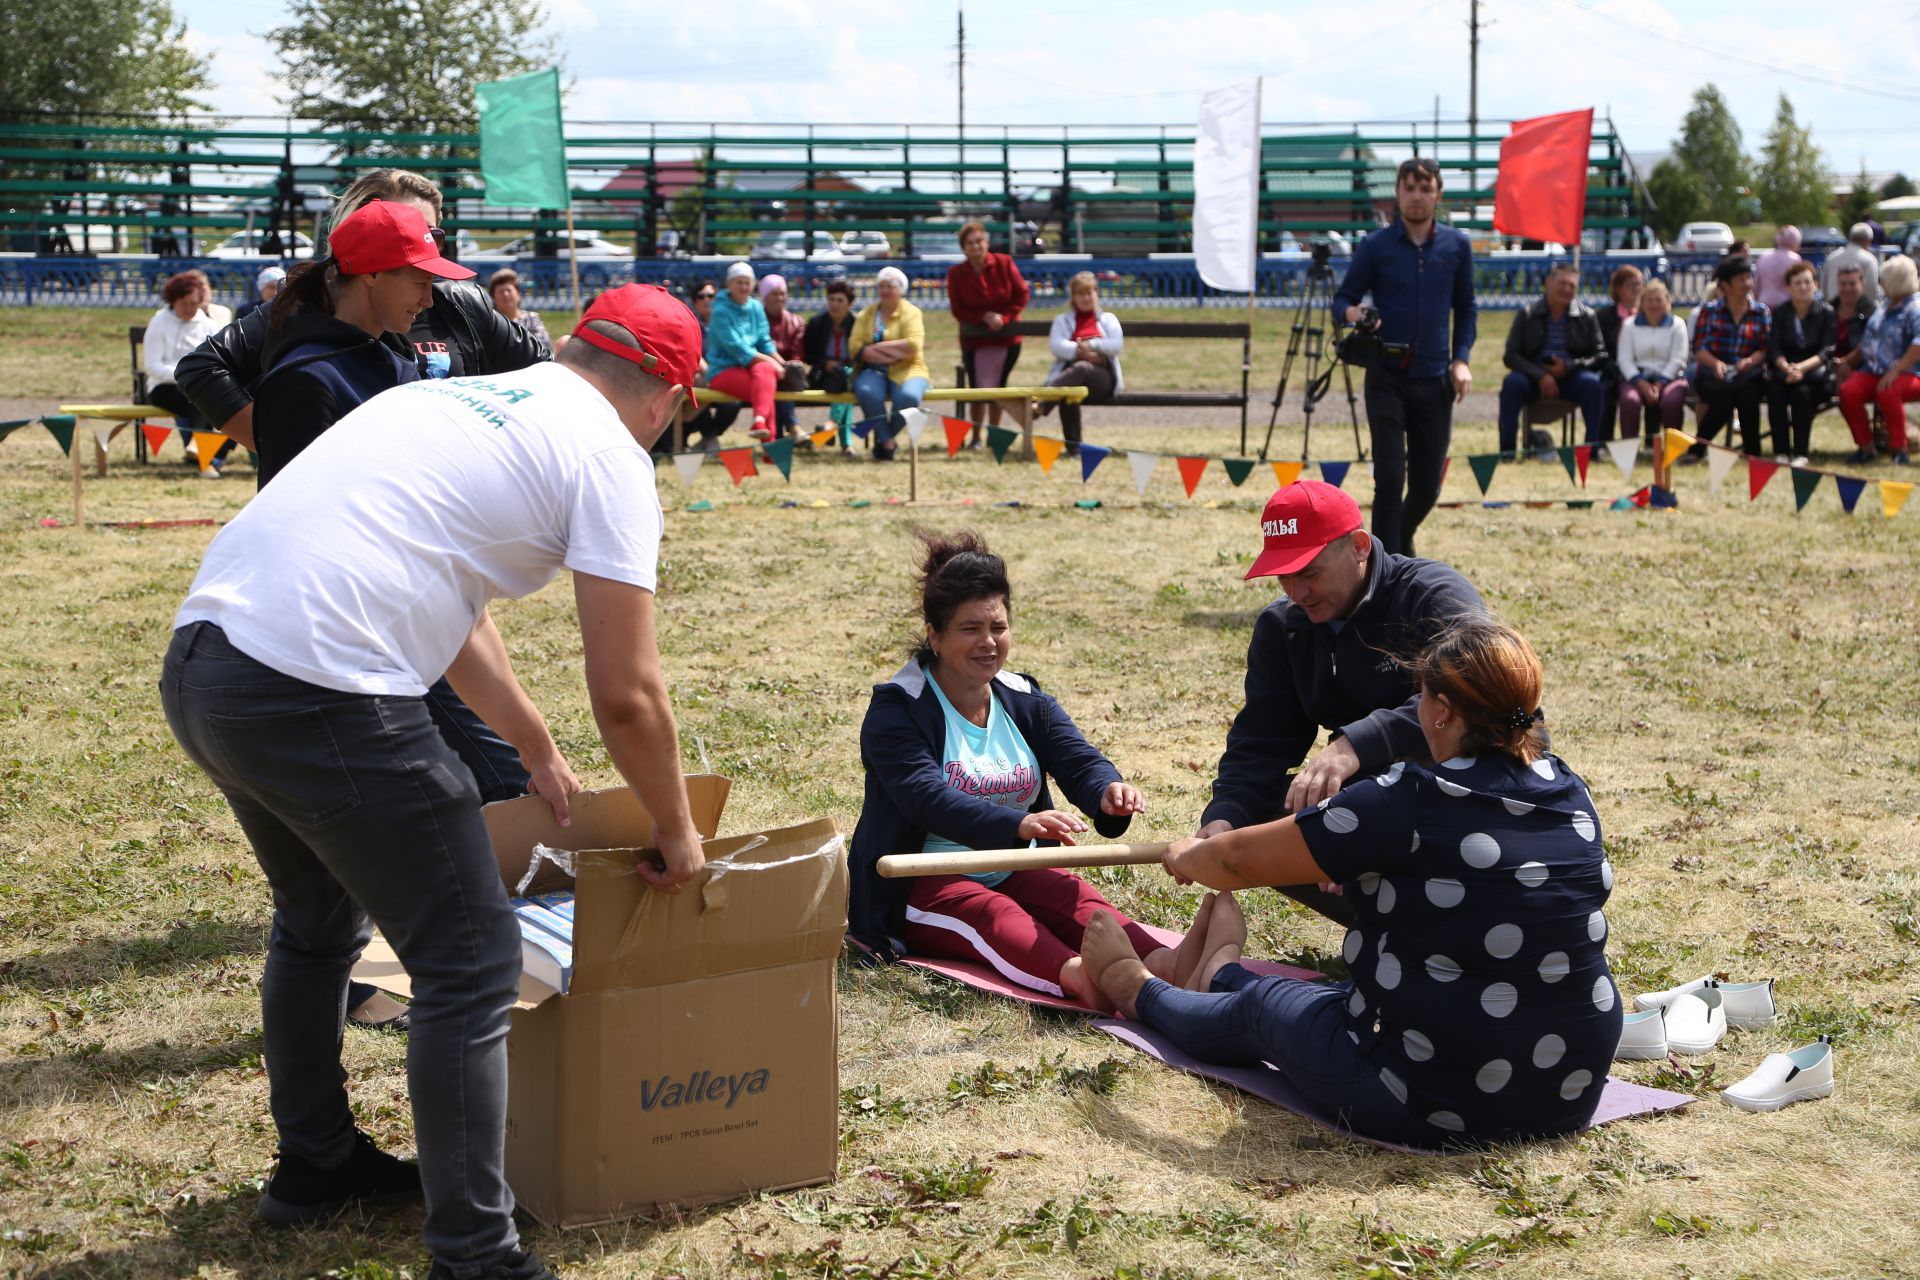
point(1025, 928)
point(1861, 389)
point(755, 384)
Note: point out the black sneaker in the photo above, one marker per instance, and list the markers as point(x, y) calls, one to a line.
point(301, 1192)
point(515, 1266)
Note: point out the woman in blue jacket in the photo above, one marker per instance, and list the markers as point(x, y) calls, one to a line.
point(957, 751)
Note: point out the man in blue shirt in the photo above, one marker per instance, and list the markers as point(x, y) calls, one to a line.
point(1420, 275)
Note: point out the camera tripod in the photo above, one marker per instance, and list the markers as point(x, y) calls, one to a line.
point(1310, 334)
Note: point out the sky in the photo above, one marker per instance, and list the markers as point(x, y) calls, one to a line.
point(1856, 81)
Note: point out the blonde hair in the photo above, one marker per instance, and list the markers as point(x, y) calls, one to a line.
point(1492, 676)
point(1656, 289)
point(1082, 280)
point(384, 184)
point(1899, 276)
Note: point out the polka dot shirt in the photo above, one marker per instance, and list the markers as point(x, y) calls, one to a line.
point(1480, 989)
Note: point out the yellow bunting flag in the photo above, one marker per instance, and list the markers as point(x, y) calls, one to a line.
point(1676, 443)
point(1893, 496)
point(205, 445)
point(1287, 472)
point(1047, 451)
point(821, 436)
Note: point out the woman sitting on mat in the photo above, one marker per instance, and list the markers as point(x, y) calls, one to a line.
point(1479, 1007)
point(957, 751)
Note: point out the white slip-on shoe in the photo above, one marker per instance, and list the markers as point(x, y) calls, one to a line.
point(1661, 999)
point(1696, 1021)
point(1749, 1004)
point(1643, 1036)
point(1786, 1078)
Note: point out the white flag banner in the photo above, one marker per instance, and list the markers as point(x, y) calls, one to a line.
point(688, 465)
point(1624, 454)
point(103, 436)
point(1143, 465)
point(1226, 186)
point(916, 423)
point(1719, 462)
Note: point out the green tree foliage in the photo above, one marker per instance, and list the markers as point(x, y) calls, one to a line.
point(1678, 197)
point(1858, 205)
point(1709, 149)
point(405, 66)
point(118, 57)
point(1791, 178)
point(1898, 185)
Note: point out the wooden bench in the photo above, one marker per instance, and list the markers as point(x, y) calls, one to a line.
point(1162, 330)
point(1019, 402)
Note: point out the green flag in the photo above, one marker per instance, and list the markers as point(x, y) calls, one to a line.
point(60, 425)
point(1001, 439)
point(780, 454)
point(1484, 465)
point(523, 153)
point(1238, 469)
point(1805, 481)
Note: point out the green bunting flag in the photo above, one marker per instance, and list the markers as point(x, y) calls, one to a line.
point(8, 428)
point(1238, 469)
point(61, 426)
point(1566, 460)
point(780, 454)
point(1805, 481)
point(1484, 465)
point(523, 151)
point(1000, 440)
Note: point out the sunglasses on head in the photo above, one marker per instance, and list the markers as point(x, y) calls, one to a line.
point(439, 234)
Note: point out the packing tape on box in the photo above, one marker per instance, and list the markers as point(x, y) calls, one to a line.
point(713, 895)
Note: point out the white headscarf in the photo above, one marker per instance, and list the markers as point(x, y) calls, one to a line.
point(737, 270)
point(894, 274)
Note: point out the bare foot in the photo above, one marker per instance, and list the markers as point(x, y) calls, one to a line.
point(1226, 935)
point(1193, 947)
point(1077, 982)
point(1111, 965)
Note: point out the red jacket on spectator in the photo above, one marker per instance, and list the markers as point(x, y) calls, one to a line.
point(788, 334)
point(971, 294)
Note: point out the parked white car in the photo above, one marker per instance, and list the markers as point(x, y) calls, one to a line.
point(791, 246)
point(247, 244)
point(866, 244)
point(588, 246)
point(1704, 237)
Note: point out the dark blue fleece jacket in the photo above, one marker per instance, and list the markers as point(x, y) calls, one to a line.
point(907, 795)
point(320, 369)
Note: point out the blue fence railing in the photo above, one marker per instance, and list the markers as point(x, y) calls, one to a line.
point(1501, 283)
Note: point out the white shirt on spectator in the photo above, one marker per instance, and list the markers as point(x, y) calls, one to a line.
point(1659, 349)
point(366, 563)
point(169, 338)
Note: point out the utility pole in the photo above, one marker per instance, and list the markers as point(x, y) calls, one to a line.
point(1473, 88)
point(960, 21)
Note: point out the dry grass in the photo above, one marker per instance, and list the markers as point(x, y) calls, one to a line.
point(1736, 682)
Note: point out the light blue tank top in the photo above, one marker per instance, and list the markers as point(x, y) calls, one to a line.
point(993, 763)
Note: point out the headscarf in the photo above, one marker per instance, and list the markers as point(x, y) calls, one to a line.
point(737, 270)
point(771, 281)
point(894, 274)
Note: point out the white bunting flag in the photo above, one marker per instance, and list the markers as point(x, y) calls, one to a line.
point(1719, 462)
point(103, 436)
point(1143, 465)
point(1624, 454)
point(688, 465)
point(916, 423)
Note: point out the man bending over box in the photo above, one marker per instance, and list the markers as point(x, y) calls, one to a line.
point(296, 679)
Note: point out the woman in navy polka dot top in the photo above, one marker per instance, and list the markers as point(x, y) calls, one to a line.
point(1479, 1007)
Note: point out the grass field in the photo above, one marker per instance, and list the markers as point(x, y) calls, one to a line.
point(1736, 682)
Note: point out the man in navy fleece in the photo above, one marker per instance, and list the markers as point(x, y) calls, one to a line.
point(1329, 653)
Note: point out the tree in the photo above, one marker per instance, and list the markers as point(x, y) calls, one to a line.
point(1678, 197)
point(1898, 185)
point(1709, 147)
point(1791, 180)
point(110, 57)
point(1858, 206)
point(405, 66)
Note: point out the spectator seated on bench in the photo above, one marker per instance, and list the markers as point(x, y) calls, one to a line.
point(1890, 349)
point(182, 324)
point(1086, 344)
point(1555, 351)
point(1653, 364)
point(1799, 352)
point(889, 348)
point(1730, 335)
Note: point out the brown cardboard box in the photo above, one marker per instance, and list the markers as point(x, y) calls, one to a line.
point(695, 1057)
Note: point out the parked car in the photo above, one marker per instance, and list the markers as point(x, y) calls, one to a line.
point(1704, 237)
point(1822, 239)
point(866, 244)
point(250, 244)
point(587, 245)
point(791, 246)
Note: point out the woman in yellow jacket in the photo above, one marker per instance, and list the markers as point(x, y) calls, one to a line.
point(889, 345)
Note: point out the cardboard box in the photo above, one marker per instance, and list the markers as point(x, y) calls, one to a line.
point(696, 1056)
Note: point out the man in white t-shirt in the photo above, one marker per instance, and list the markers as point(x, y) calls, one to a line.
point(296, 677)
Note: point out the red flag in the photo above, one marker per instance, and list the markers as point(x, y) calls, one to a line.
point(957, 429)
point(156, 436)
point(1541, 193)
point(1191, 469)
point(739, 464)
point(1759, 471)
point(1582, 454)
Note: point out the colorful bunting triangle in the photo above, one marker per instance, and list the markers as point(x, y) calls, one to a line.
point(1663, 499)
point(1624, 454)
point(1091, 456)
point(780, 454)
point(957, 429)
point(205, 445)
point(1850, 490)
point(103, 437)
point(8, 428)
point(1191, 469)
point(688, 465)
point(1285, 473)
point(1893, 496)
point(1000, 439)
point(821, 437)
point(1759, 471)
point(1805, 481)
point(156, 436)
point(1719, 463)
point(1675, 443)
point(1566, 460)
point(1582, 456)
point(1484, 465)
point(1046, 451)
point(739, 464)
point(865, 426)
point(915, 420)
point(1238, 469)
point(1334, 473)
point(1143, 465)
point(60, 426)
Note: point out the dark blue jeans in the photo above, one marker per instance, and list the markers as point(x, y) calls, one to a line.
point(359, 813)
point(495, 765)
point(1298, 1027)
point(1411, 422)
point(1582, 386)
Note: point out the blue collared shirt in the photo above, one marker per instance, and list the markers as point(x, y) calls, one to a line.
point(1416, 288)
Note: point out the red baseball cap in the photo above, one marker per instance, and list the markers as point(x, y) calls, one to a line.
point(664, 326)
point(382, 236)
point(1299, 522)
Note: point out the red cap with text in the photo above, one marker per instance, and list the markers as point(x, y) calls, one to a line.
point(1299, 522)
point(664, 326)
point(383, 236)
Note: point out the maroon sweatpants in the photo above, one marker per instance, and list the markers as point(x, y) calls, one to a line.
point(1025, 928)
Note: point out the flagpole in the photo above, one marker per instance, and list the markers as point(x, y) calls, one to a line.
point(573, 257)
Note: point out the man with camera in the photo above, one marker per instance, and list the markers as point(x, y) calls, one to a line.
point(1420, 275)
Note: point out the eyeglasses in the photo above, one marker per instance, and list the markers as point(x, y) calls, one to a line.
point(705, 295)
point(439, 239)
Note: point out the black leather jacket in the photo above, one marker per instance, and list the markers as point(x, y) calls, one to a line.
point(1527, 340)
point(219, 374)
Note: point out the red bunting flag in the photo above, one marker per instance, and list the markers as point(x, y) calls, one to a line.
point(1759, 471)
point(1541, 193)
point(1191, 469)
point(957, 429)
point(739, 464)
point(156, 436)
point(1582, 454)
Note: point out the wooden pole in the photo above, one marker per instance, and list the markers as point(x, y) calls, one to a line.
point(980, 861)
point(573, 260)
point(913, 466)
point(79, 502)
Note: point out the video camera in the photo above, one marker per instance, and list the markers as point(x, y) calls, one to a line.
point(1361, 345)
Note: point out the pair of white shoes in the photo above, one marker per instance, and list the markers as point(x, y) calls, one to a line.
point(1691, 1019)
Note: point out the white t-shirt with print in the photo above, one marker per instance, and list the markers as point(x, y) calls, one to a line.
point(364, 566)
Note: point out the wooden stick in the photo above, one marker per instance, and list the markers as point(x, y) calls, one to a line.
point(573, 257)
point(981, 861)
point(913, 466)
point(79, 501)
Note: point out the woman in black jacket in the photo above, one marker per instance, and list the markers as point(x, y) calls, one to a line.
point(957, 750)
point(1799, 356)
point(826, 348)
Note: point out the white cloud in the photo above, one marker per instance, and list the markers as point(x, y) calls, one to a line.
point(245, 71)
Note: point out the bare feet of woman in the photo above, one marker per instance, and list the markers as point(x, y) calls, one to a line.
point(1106, 953)
point(1226, 935)
point(1193, 948)
point(1076, 979)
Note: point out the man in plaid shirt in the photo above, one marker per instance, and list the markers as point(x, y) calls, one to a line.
point(1730, 355)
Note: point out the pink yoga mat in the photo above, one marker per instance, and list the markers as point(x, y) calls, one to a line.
point(1619, 1100)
